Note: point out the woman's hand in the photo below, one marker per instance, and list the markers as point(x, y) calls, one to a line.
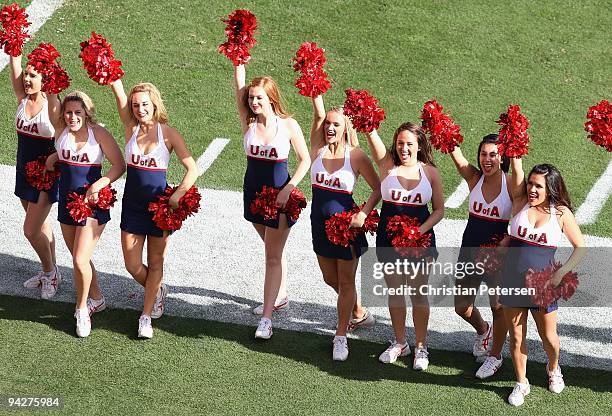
point(358, 219)
point(175, 198)
point(283, 196)
point(92, 193)
point(556, 278)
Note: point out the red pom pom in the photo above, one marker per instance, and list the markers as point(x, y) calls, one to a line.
point(309, 60)
point(78, 208)
point(240, 26)
point(43, 60)
point(14, 32)
point(405, 236)
point(513, 137)
point(489, 257)
point(106, 198)
point(99, 60)
point(363, 110)
point(167, 218)
point(38, 177)
point(545, 292)
point(444, 134)
point(264, 204)
point(338, 226)
point(599, 124)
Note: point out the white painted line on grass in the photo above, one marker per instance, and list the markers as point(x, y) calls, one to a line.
point(39, 11)
point(211, 153)
point(457, 197)
point(596, 198)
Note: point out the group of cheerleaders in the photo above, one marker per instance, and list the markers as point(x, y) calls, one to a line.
point(407, 182)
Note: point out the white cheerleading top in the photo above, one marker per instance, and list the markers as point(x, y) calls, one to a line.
point(89, 155)
point(394, 193)
point(39, 126)
point(156, 159)
point(548, 235)
point(342, 180)
point(276, 151)
point(500, 209)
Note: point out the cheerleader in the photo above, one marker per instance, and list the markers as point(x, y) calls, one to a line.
point(269, 132)
point(81, 147)
point(149, 143)
point(334, 148)
point(541, 214)
point(410, 181)
point(34, 139)
point(490, 206)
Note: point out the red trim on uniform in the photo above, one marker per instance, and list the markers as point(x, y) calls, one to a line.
point(79, 164)
point(533, 243)
point(489, 218)
point(266, 160)
point(32, 136)
point(404, 204)
point(340, 191)
point(143, 168)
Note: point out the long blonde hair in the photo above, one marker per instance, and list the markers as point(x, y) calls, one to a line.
point(86, 103)
point(350, 134)
point(271, 89)
point(159, 109)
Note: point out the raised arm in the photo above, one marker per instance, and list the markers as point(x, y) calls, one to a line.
point(303, 159)
point(380, 154)
point(365, 169)
point(240, 89)
point(191, 169)
point(437, 199)
point(17, 77)
point(54, 108)
point(518, 178)
point(123, 107)
point(317, 135)
point(113, 155)
point(467, 171)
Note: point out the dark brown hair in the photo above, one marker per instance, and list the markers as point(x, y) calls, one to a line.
point(424, 155)
point(493, 139)
point(555, 186)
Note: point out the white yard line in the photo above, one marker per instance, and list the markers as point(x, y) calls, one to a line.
point(211, 153)
point(596, 198)
point(457, 197)
point(39, 11)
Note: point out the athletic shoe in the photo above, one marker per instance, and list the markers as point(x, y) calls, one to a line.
point(83, 323)
point(264, 329)
point(160, 301)
point(145, 329)
point(367, 321)
point(395, 350)
point(340, 352)
point(34, 281)
point(555, 380)
point(489, 367)
point(278, 305)
point(50, 283)
point(421, 359)
point(483, 343)
point(517, 397)
point(96, 305)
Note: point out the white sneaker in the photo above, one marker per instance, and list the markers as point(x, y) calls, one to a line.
point(517, 397)
point(340, 352)
point(489, 367)
point(421, 359)
point(145, 329)
point(83, 323)
point(50, 283)
point(555, 380)
point(367, 321)
point(395, 350)
point(278, 305)
point(160, 301)
point(264, 329)
point(34, 281)
point(483, 343)
point(96, 305)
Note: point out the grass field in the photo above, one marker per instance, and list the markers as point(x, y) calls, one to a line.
point(205, 367)
point(475, 57)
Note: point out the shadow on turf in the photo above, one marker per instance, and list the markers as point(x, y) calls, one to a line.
point(309, 348)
